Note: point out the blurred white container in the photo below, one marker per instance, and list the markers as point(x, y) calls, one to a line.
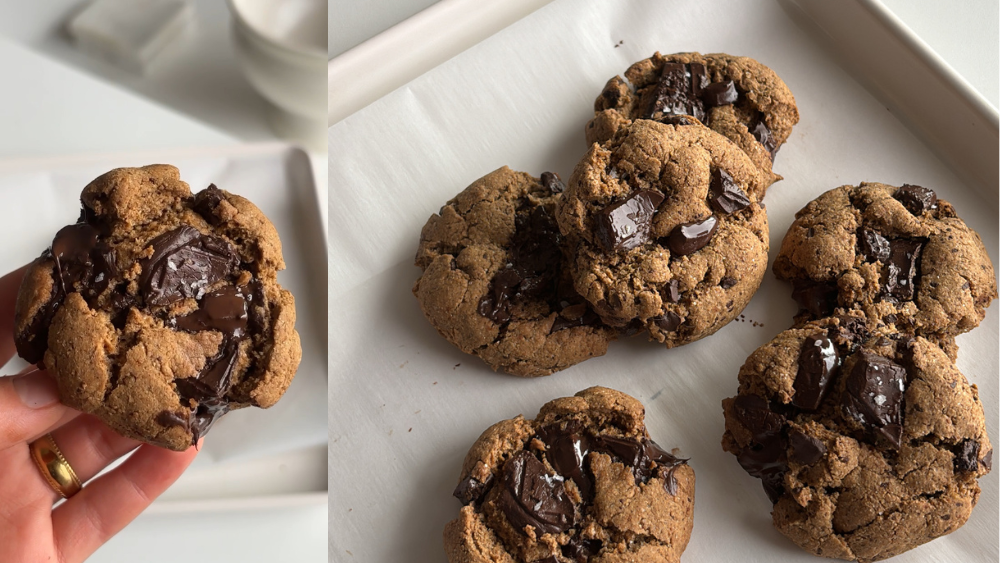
point(281, 45)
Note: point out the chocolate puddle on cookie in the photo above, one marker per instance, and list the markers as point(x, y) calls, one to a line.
point(534, 496)
point(224, 310)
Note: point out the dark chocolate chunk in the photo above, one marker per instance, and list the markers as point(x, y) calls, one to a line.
point(589, 318)
point(668, 321)
point(214, 380)
point(671, 291)
point(224, 310)
point(967, 455)
point(874, 395)
point(851, 330)
point(197, 421)
point(549, 559)
point(644, 457)
point(725, 195)
point(553, 182)
point(900, 271)
point(206, 202)
point(916, 199)
point(753, 412)
point(471, 489)
point(688, 238)
point(818, 362)
point(765, 458)
point(566, 450)
point(533, 269)
point(679, 92)
point(874, 247)
point(184, 263)
point(670, 119)
point(762, 133)
point(767, 461)
point(806, 450)
point(71, 249)
point(625, 225)
point(611, 96)
point(726, 282)
point(581, 550)
point(818, 299)
point(532, 497)
point(987, 460)
point(719, 94)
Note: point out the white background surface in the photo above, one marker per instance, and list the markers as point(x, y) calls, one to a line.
point(48, 109)
point(521, 98)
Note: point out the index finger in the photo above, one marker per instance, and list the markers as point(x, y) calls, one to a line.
point(9, 284)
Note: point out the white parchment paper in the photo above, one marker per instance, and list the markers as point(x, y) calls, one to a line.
point(41, 196)
point(405, 405)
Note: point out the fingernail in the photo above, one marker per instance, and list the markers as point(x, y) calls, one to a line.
point(36, 390)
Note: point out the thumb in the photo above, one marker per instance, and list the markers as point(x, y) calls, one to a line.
point(29, 405)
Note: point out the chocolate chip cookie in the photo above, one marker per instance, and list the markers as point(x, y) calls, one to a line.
point(494, 283)
point(159, 310)
point(901, 255)
point(581, 482)
point(869, 442)
point(737, 97)
point(665, 230)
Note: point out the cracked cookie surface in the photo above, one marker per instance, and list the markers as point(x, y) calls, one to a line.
point(868, 442)
point(901, 255)
point(580, 482)
point(737, 97)
point(159, 310)
point(665, 230)
point(494, 281)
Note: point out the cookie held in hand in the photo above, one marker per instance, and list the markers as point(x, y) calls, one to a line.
point(159, 310)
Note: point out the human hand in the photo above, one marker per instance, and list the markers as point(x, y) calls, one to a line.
point(31, 529)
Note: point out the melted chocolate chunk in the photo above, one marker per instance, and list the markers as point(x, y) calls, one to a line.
point(818, 299)
point(688, 238)
point(762, 133)
point(566, 450)
point(725, 195)
point(765, 457)
point(471, 489)
point(581, 550)
point(916, 199)
point(720, 94)
point(184, 264)
point(206, 202)
point(676, 120)
point(589, 318)
point(671, 291)
point(679, 91)
point(532, 497)
point(806, 450)
point(668, 321)
point(533, 269)
point(967, 455)
point(214, 381)
point(625, 225)
point(84, 263)
point(900, 271)
point(224, 310)
point(726, 282)
point(818, 362)
point(874, 395)
point(552, 182)
point(198, 421)
point(874, 247)
point(644, 457)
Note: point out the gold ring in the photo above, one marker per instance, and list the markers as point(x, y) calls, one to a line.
point(54, 467)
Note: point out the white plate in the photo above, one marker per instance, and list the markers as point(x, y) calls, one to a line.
point(40, 195)
point(406, 405)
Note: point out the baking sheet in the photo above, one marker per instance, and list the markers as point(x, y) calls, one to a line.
point(42, 195)
point(405, 405)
